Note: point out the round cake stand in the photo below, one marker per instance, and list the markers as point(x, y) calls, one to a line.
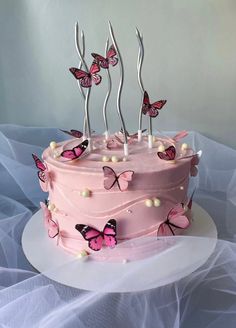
point(168, 266)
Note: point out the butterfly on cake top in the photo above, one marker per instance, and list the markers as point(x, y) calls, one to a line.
point(126, 170)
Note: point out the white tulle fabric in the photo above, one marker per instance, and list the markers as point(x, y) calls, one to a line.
point(205, 298)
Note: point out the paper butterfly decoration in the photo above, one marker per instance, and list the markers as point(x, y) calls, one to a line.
point(52, 226)
point(110, 58)
point(73, 133)
point(86, 79)
point(43, 172)
point(194, 162)
point(149, 109)
point(176, 219)
point(76, 152)
point(111, 178)
point(179, 136)
point(96, 238)
point(168, 154)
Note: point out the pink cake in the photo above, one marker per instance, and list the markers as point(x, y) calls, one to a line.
point(109, 189)
point(77, 194)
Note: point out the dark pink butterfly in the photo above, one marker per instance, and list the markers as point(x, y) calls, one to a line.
point(151, 109)
point(52, 226)
point(76, 152)
point(122, 179)
point(110, 59)
point(86, 79)
point(95, 237)
point(73, 133)
point(42, 173)
point(176, 219)
point(168, 154)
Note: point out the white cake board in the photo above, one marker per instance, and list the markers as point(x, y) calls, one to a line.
point(161, 269)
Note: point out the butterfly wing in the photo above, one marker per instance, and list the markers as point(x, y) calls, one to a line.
point(152, 111)
point(39, 164)
point(92, 235)
point(111, 56)
point(86, 81)
point(42, 176)
point(73, 133)
point(124, 178)
point(167, 155)
point(159, 104)
point(96, 78)
point(76, 152)
point(177, 217)
point(78, 73)
point(95, 68)
point(103, 62)
point(109, 233)
point(165, 230)
point(110, 177)
point(53, 228)
point(146, 103)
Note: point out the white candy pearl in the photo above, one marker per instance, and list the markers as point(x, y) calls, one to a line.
point(181, 188)
point(148, 202)
point(124, 159)
point(86, 193)
point(82, 254)
point(53, 145)
point(156, 202)
point(161, 148)
point(124, 261)
point(114, 159)
point(51, 207)
point(105, 158)
point(56, 154)
point(184, 146)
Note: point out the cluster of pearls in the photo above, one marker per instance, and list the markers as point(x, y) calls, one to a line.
point(153, 202)
point(113, 159)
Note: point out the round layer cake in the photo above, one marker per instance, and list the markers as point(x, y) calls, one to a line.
point(79, 194)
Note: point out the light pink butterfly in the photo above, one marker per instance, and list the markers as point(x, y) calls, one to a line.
point(109, 60)
point(86, 79)
point(51, 226)
point(121, 180)
point(96, 238)
point(43, 172)
point(176, 219)
point(76, 152)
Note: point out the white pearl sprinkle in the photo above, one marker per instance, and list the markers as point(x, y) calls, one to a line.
point(161, 148)
point(124, 261)
point(114, 159)
point(129, 211)
point(124, 159)
point(53, 145)
point(181, 188)
point(156, 202)
point(105, 159)
point(149, 202)
point(51, 207)
point(85, 193)
point(184, 146)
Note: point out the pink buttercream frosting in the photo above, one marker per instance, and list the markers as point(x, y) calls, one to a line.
point(153, 178)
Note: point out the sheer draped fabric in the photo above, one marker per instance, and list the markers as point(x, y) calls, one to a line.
point(205, 298)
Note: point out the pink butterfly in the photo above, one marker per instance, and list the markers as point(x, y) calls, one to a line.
point(168, 154)
point(95, 237)
point(86, 79)
point(76, 152)
point(194, 162)
point(176, 219)
point(110, 59)
point(151, 109)
point(52, 226)
point(42, 173)
point(122, 180)
point(73, 133)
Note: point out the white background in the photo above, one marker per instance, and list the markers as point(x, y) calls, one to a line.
point(190, 60)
